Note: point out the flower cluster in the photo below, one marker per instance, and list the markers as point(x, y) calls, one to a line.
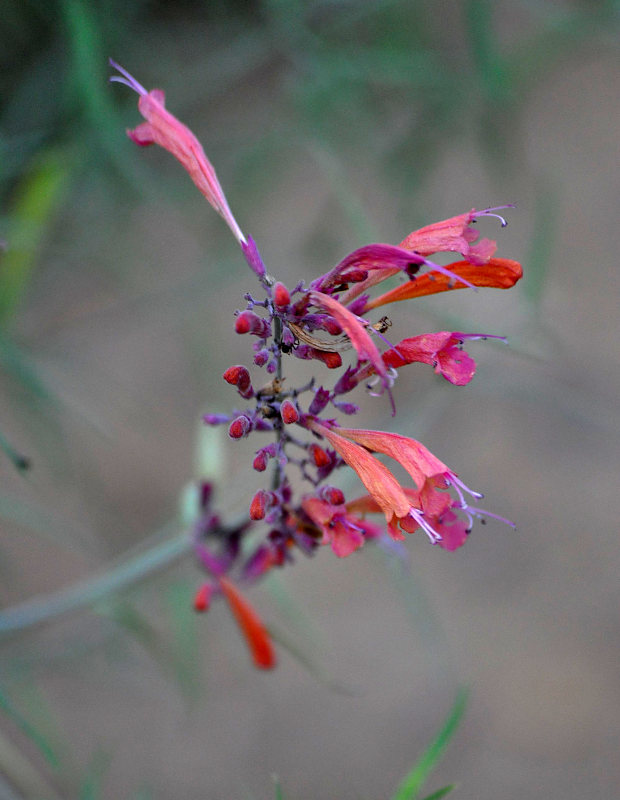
point(320, 321)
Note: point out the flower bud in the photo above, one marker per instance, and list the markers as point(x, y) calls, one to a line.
point(320, 400)
point(332, 495)
point(215, 419)
point(260, 461)
point(202, 598)
point(240, 377)
point(249, 322)
point(321, 458)
point(331, 326)
point(239, 427)
point(347, 408)
point(281, 295)
point(261, 502)
point(331, 360)
point(261, 358)
point(288, 412)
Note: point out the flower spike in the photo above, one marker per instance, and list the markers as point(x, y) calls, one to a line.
point(316, 321)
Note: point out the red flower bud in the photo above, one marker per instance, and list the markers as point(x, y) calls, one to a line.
point(249, 322)
point(288, 412)
point(331, 326)
point(260, 462)
point(202, 598)
point(261, 501)
point(331, 360)
point(240, 377)
point(332, 495)
point(239, 427)
point(281, 295)
point(321, 458)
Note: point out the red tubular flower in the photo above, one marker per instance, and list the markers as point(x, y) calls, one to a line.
point(251, 626)
point(440, 350)
point(164, 129)
point(379, 481)
point(453, 235)
point(425, 507)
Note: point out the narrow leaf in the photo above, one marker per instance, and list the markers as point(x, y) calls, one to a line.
point(35, 736)
point(412, 783)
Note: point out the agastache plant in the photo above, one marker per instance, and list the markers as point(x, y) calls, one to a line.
point(333, 314)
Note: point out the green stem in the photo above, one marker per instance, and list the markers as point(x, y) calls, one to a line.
point(91, 590)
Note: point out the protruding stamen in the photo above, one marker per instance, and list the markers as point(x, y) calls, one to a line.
point(418, 516)
point(127, 78)
point(490, 212)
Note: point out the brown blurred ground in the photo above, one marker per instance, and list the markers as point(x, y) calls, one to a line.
point(528, 619)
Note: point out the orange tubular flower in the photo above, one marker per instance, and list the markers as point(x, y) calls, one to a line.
point(428, 506)
point(381, 484)
point(497, 273)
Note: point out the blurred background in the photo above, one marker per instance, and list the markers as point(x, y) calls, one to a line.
point(331, 125)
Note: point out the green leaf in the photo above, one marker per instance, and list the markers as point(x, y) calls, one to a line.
point(412, 783)
point(92, 786)
point(36, 737)
point(440, 792)
point(277, 788)
point(21, 774)
point(39, 196)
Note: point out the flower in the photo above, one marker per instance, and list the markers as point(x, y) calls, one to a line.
point(163, 128)
point(251, 626)
point(497, 273)
point(382, 261)
point(428, 506)
point(341, 529)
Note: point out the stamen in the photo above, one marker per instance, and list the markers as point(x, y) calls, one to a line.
point(452, 275)
point(128, 79)
point(458, 485)
point(480, 512)
point(418, 516)
point(490, 212)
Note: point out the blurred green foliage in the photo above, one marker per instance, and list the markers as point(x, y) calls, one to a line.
point(342, 69)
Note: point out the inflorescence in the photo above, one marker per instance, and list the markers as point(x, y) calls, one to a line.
point(319, 322)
